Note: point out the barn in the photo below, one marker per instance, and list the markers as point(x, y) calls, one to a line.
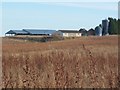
point(68, 33)
point(16, 32)
point(83, 32)
point(30, 32)
point(91, 32)
point(39, 31)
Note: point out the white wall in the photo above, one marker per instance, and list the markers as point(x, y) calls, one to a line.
point(67, 34)
point(71, 34)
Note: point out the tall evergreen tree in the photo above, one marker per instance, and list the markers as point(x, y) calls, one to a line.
point(118, 26)
point(113, 26)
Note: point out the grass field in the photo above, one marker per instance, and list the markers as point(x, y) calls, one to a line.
point(85, 62)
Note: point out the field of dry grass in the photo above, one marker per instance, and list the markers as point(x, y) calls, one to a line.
point(85, 62)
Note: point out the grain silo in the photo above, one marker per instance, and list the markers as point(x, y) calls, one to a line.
point(98, 31)
point(105, 25)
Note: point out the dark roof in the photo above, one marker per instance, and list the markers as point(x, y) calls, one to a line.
point(69, 31)
point(16, 32)
point(98, 27)
point(82, 30)
point(39, 31)
point(91, 30)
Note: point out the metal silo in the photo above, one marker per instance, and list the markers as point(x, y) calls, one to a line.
point(98, 31)
point(105, 25)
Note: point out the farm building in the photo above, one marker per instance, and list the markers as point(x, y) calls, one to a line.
point(83, 32)
point(91, 32)
point(98, 31)
point(39, 31)
point(105, 25)
point(68, 33)
point(16, 32)
point(32, 32)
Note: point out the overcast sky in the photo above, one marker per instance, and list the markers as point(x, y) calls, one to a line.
point(55, 15)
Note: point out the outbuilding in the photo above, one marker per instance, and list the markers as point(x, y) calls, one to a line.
point(91, 32)
point(30, 32)
point(41, 32)
point(68, 33)
point(16, 32)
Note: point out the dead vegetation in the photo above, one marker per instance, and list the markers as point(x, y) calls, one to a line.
point(86, 62)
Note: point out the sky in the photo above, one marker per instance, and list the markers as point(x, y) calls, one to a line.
point(55, 15)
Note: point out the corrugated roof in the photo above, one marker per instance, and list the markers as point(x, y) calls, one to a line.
point(69, 31)
point(16, 32)
point(39, 31)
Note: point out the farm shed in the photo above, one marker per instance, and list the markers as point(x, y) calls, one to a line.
point(83, 32)
point(91, 32)
point(30, 32)
point(39, 31)
point(16, 32)
point(68, 33)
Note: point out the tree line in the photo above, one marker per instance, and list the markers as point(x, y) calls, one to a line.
point(114, 26)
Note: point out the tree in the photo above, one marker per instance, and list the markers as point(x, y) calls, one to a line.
point(113, 26)
point(118, 26)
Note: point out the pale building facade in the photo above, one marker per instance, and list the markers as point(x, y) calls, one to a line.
point(68, 33)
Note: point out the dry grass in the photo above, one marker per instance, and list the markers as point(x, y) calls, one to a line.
point(86, 62)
